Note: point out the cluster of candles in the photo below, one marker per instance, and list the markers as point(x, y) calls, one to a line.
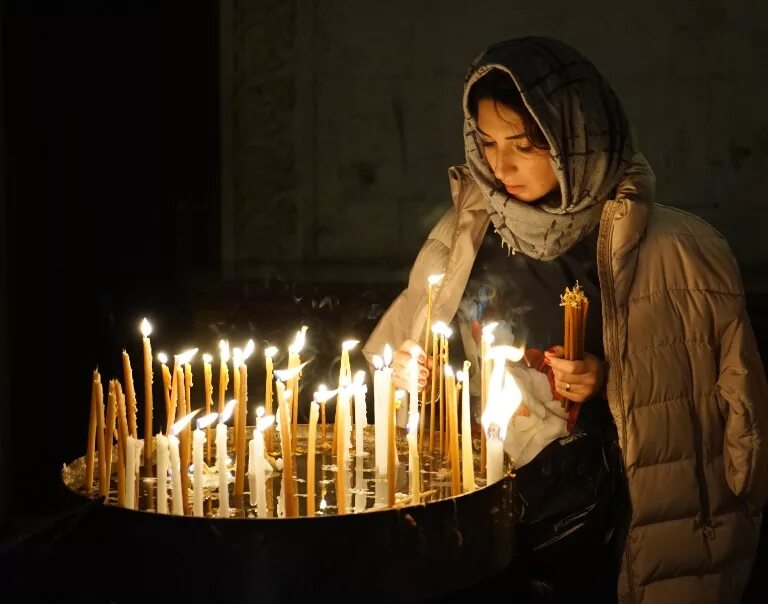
point(178, 446)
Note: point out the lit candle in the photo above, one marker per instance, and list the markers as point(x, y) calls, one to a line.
point(237, 358)
point(269, 354)
point(132, 461)
point(342, 403)
point(208, 387)
point(198, 444)
point(163, 358)
point(437, 330)
point(285, 398)
point(100, 426)
point(178, 492)
point(146, 330)
point(432, 280)
point(294, 360)
point(413, 456)
point(161, 442)
point(174, 397)
point(185, 403)
point(486, 341)
point(345, 376)
point(130, 394)
point(221, 458)
point(361, 419)
point(242, 413)
point(122, 434)
point(322, 396)
point(452, 424)
point(382, 391)
point(313, 412)
point(257, 466)
point(504, 396)
point(467, 463)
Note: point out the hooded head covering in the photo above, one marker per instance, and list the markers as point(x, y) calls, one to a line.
point(586, 128)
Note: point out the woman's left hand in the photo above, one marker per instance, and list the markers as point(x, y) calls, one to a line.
point(577, 381)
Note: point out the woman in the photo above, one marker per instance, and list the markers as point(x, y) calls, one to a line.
point(553, 175)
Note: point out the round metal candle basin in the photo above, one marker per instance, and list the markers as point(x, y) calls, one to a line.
point(407, 553)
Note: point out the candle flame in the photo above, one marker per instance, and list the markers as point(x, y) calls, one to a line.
point(378, 362)
point(488, 329)
point(415, 352)
point(162, 357)
point(270, 352)
point(286, 374)
point(359, 378)
point(250, 346)
point(323, 504)
point(439, 328)
point(186, 356)
point(349, 344)
point(237, 357)
point(460, 376)
point(206, 420)
point(387, 355)
point(298, 341)
point(435, 279)
point(207, 358)
point(224, 350)
point(399, 394)
point(265, 422)
point(448, 371)
point(413, 422)
point(183, 422)
point(323, 394)
point(146, 327)
point(226, 413)
point(503, 399)
point(260, 411)
point(507, 353)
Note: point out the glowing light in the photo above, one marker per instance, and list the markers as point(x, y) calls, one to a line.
point(435, 279)
point(249, 348)
point(270, 352)
point(146, 327)
point(206, 420)
point(162, 357)
point(226, 413)
point(224, 350)
point(349, 344)
point(183, 422)
point(299, 341)
point(207, 358)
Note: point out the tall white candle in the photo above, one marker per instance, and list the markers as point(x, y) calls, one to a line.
point(161, 443)
point(222, 470)
point(314, 409)
point(382, 388)
point(361, 486)
point(360, 412)
point(467, 463)
point(198, 449)
point(494, 451)
point(413, 456)
point(132, 461)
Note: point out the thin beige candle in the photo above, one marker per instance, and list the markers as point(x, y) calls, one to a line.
point(450, 379)
point(441, 378)
point(174, 398)
point(122, 439)
point(90, 450)
point(432, 280)
point(391, 450)
point(166, 375)
point(237, 359)
point(223, 374)
point(313, 411)
point(294, 357)
point(486, 341)
point(242, 412)
point(285, 422)
point(146, 330)
point(341, 455)
point(109, 432)
point(130, 394)
point(269, 353)
point(434, 372)
point(100, 424)
point(208, 388)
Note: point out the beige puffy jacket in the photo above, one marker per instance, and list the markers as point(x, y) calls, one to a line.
point(685, 383)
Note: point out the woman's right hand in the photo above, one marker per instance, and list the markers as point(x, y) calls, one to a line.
point(400, 361)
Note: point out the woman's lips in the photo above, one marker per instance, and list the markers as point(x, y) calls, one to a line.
point(512, 189)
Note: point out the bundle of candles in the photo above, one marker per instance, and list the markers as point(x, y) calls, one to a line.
point(576, 306)
point(442, 460)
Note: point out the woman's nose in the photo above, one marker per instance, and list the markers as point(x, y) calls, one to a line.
point(505, 166)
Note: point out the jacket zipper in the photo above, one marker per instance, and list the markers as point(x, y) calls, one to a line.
point(706, 520)
point(605, 274)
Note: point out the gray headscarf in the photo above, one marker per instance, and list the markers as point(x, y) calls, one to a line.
point(588, 133)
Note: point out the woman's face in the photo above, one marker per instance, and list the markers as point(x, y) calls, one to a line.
point(524, 171)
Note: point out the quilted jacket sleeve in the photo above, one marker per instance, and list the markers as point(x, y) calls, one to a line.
point(742, 385)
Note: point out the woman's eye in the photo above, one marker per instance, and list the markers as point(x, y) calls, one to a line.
point(524, 149)
point(488, 143)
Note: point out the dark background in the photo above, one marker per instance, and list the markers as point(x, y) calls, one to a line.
point(110, 178)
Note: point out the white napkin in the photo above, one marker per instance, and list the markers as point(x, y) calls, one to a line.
point(528, 435)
